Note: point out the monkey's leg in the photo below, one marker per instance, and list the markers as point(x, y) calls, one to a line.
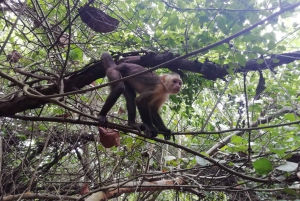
point(142, 103)
point(158, 122)
point(130, 96)
point(116, 91)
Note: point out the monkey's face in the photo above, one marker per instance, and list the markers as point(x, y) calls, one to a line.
point(175, 85)
point(172, 83)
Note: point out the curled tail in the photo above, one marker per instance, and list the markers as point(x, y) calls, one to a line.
point(107, 60)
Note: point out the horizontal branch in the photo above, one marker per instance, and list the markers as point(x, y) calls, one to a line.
point(38, 196)
point(130, 187)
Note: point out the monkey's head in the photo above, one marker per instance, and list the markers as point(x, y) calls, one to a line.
point(172, 83)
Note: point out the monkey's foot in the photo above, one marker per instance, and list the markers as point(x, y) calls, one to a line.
point(150, 131)
point(137, 126)
point(167, 133)
point(167, 136)
point(102, 121)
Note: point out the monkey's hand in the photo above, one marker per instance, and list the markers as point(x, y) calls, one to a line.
point(102, 121)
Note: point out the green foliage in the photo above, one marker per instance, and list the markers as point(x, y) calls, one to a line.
point(203, 105)
point(239, 145)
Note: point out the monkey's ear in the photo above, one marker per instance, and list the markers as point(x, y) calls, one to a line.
point(163, 78)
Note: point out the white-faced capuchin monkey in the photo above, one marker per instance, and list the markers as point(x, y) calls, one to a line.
point(153, 92)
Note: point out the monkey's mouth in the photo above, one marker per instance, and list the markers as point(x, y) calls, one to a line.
point(175, 91)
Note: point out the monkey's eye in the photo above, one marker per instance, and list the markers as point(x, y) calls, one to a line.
point(177, 81)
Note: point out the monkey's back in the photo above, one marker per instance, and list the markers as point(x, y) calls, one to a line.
point(140, 83)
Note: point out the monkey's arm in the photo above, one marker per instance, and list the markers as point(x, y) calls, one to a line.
point(158, 122)
point(142, 103)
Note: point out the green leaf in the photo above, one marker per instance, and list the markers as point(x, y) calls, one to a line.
point(271, 45)
point(240, 58)
point(237, 139)
point(290, 117)
point(262, 166)
point(161, 5)
point(76, 54)
point(181, 4)
point(222, 48)
point(128, 140)
point(281, 47)
point(291, 191)
point(22, 137)
point(277, 151)
point(270, 36)
point(42, 127)
point(100, 147)
point(260, 61)
point(252, 56)
point(221, 23)
point(257, 49)
point(249, 37)
point(119, 153)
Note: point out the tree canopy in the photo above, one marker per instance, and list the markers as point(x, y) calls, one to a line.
point(235, 122)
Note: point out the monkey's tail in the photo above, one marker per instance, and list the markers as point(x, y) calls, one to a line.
point(107, 60)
